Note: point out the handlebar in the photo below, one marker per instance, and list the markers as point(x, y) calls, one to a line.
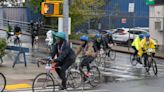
point(43, 61)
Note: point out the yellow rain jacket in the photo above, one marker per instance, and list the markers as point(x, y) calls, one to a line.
point(143, 44)
point(136, 43)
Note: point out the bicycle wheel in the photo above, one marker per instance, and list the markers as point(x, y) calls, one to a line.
point(148, 65)
point(43, 83)
point(133, 62)
point(154, 66)
point(2, 82)
point(74, 79)
point(94, 79)
point(112, 54)
point(97, 60)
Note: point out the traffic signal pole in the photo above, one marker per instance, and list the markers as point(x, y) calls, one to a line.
point(66, 18)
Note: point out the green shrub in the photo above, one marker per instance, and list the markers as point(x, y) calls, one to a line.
point(3, 45)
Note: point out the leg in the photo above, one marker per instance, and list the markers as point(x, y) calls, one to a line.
point(62, 72)
point(32, 41)
point(145, 59)
point(135, 51)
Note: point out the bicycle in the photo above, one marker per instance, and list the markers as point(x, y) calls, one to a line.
point(48, 81)
point(104, 56)
point(94, 78)
point(2, 82)
point(150, 62)
point(134, 60)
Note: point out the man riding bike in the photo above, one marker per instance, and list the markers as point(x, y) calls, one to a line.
point(97, 43)
point(65, 56)
point(87, 54)
point(110, 38)
point(146, 44)
point(136, 46)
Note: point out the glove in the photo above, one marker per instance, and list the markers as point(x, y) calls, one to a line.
point(143, 49)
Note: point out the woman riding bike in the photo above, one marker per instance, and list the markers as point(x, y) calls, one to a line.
point(87, 53)
point(146, 44)
point(136, 46)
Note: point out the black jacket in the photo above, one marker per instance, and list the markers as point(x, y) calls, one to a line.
point(67, 54)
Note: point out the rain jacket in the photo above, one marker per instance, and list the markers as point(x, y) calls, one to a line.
point(136, 43)
point(143, 44)
point(64, 53)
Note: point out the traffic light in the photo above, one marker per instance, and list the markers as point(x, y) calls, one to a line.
point(155, 2)
point(51, 8)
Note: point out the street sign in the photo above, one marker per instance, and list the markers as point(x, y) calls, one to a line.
point(51, 8)
point(131, 7)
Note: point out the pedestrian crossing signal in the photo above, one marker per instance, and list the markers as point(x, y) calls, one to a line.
point(51, 9)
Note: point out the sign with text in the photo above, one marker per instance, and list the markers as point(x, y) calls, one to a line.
point(131, 7)
point(123, 20)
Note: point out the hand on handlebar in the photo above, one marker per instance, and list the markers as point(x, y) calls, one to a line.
point(143, 49)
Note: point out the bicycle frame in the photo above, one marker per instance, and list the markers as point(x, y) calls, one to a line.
point(50, 68)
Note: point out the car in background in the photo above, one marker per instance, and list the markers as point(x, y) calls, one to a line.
point(126, 35)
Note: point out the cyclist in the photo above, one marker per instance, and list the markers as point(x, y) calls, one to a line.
point(87, 53)
point(65, 56)
point(97, 43)
point(110, 38)
point(9, 31)
point(136, 46)
point(146, 44)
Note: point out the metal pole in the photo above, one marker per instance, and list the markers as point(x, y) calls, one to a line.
point(163, 35)
point(134, 15)
point(66, 18)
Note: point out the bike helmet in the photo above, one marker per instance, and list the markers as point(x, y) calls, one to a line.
point(61, 35)
point(110, 33)
point(84, 38)
point(147, 35)
point(141, 36)
point(97, 35)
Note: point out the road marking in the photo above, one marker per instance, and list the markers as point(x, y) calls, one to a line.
point(17, 86)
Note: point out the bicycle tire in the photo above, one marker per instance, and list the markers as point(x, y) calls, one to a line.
point(2, 82)
point(45, 79)
point(74, 79)
point(103, 59)
point(97, 60)
point(148, 65)
point(95, 77)
point(154, 66)
point(112, 54)
point(133, 62)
